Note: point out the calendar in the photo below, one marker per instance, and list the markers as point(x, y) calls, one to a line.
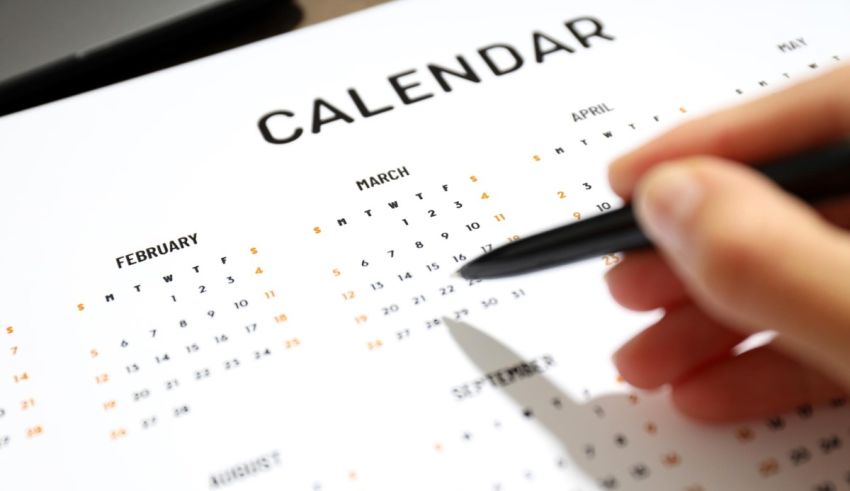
point(239, 273)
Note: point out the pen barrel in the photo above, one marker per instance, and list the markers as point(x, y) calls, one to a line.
point(611, 232)
point(815, 176)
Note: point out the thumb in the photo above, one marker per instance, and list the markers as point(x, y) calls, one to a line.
point(753, 256)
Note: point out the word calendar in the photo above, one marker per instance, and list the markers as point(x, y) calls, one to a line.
point(239, 273)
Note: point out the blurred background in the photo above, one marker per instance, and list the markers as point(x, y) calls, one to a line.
point(319, 10)
point(52, 49)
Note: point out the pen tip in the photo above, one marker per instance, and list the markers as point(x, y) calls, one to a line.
point(462, 273)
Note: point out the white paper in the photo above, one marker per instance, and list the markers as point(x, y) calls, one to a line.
point(321, 373)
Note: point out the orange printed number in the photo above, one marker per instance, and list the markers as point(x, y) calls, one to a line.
point(33, 431)
point(119, 433)
point(610, 259)
point(768, 467)
point(374, 344)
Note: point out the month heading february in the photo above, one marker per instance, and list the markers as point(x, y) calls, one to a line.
point(281, 126)
point(157, 250)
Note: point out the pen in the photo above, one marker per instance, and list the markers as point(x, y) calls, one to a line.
point(813, 176)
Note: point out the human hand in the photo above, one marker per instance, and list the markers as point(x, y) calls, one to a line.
point(736, 255)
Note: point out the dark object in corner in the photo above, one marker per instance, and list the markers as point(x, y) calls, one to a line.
point(217, 28)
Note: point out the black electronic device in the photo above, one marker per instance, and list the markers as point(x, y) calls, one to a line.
point(53, 49)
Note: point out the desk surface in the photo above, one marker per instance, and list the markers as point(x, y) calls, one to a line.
point(319, 10)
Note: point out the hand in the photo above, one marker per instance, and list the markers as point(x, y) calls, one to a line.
point(736, 256)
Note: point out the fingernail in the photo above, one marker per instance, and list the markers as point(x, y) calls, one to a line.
point(665, 200)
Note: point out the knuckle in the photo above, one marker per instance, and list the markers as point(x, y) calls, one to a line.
point(726, 267)
point(724, 138)
point(833, 101)
point(843, 73)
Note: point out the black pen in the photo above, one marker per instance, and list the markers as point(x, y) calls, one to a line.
point(813, 176)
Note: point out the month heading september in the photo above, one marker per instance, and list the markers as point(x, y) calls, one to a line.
point(277, 126)
point(162, 249)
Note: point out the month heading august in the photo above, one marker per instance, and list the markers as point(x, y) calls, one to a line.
point(157, 250)
point(282, 126)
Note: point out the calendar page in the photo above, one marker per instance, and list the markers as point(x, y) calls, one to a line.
point(239, 273)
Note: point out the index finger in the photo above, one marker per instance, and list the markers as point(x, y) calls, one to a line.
point(815, 112)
